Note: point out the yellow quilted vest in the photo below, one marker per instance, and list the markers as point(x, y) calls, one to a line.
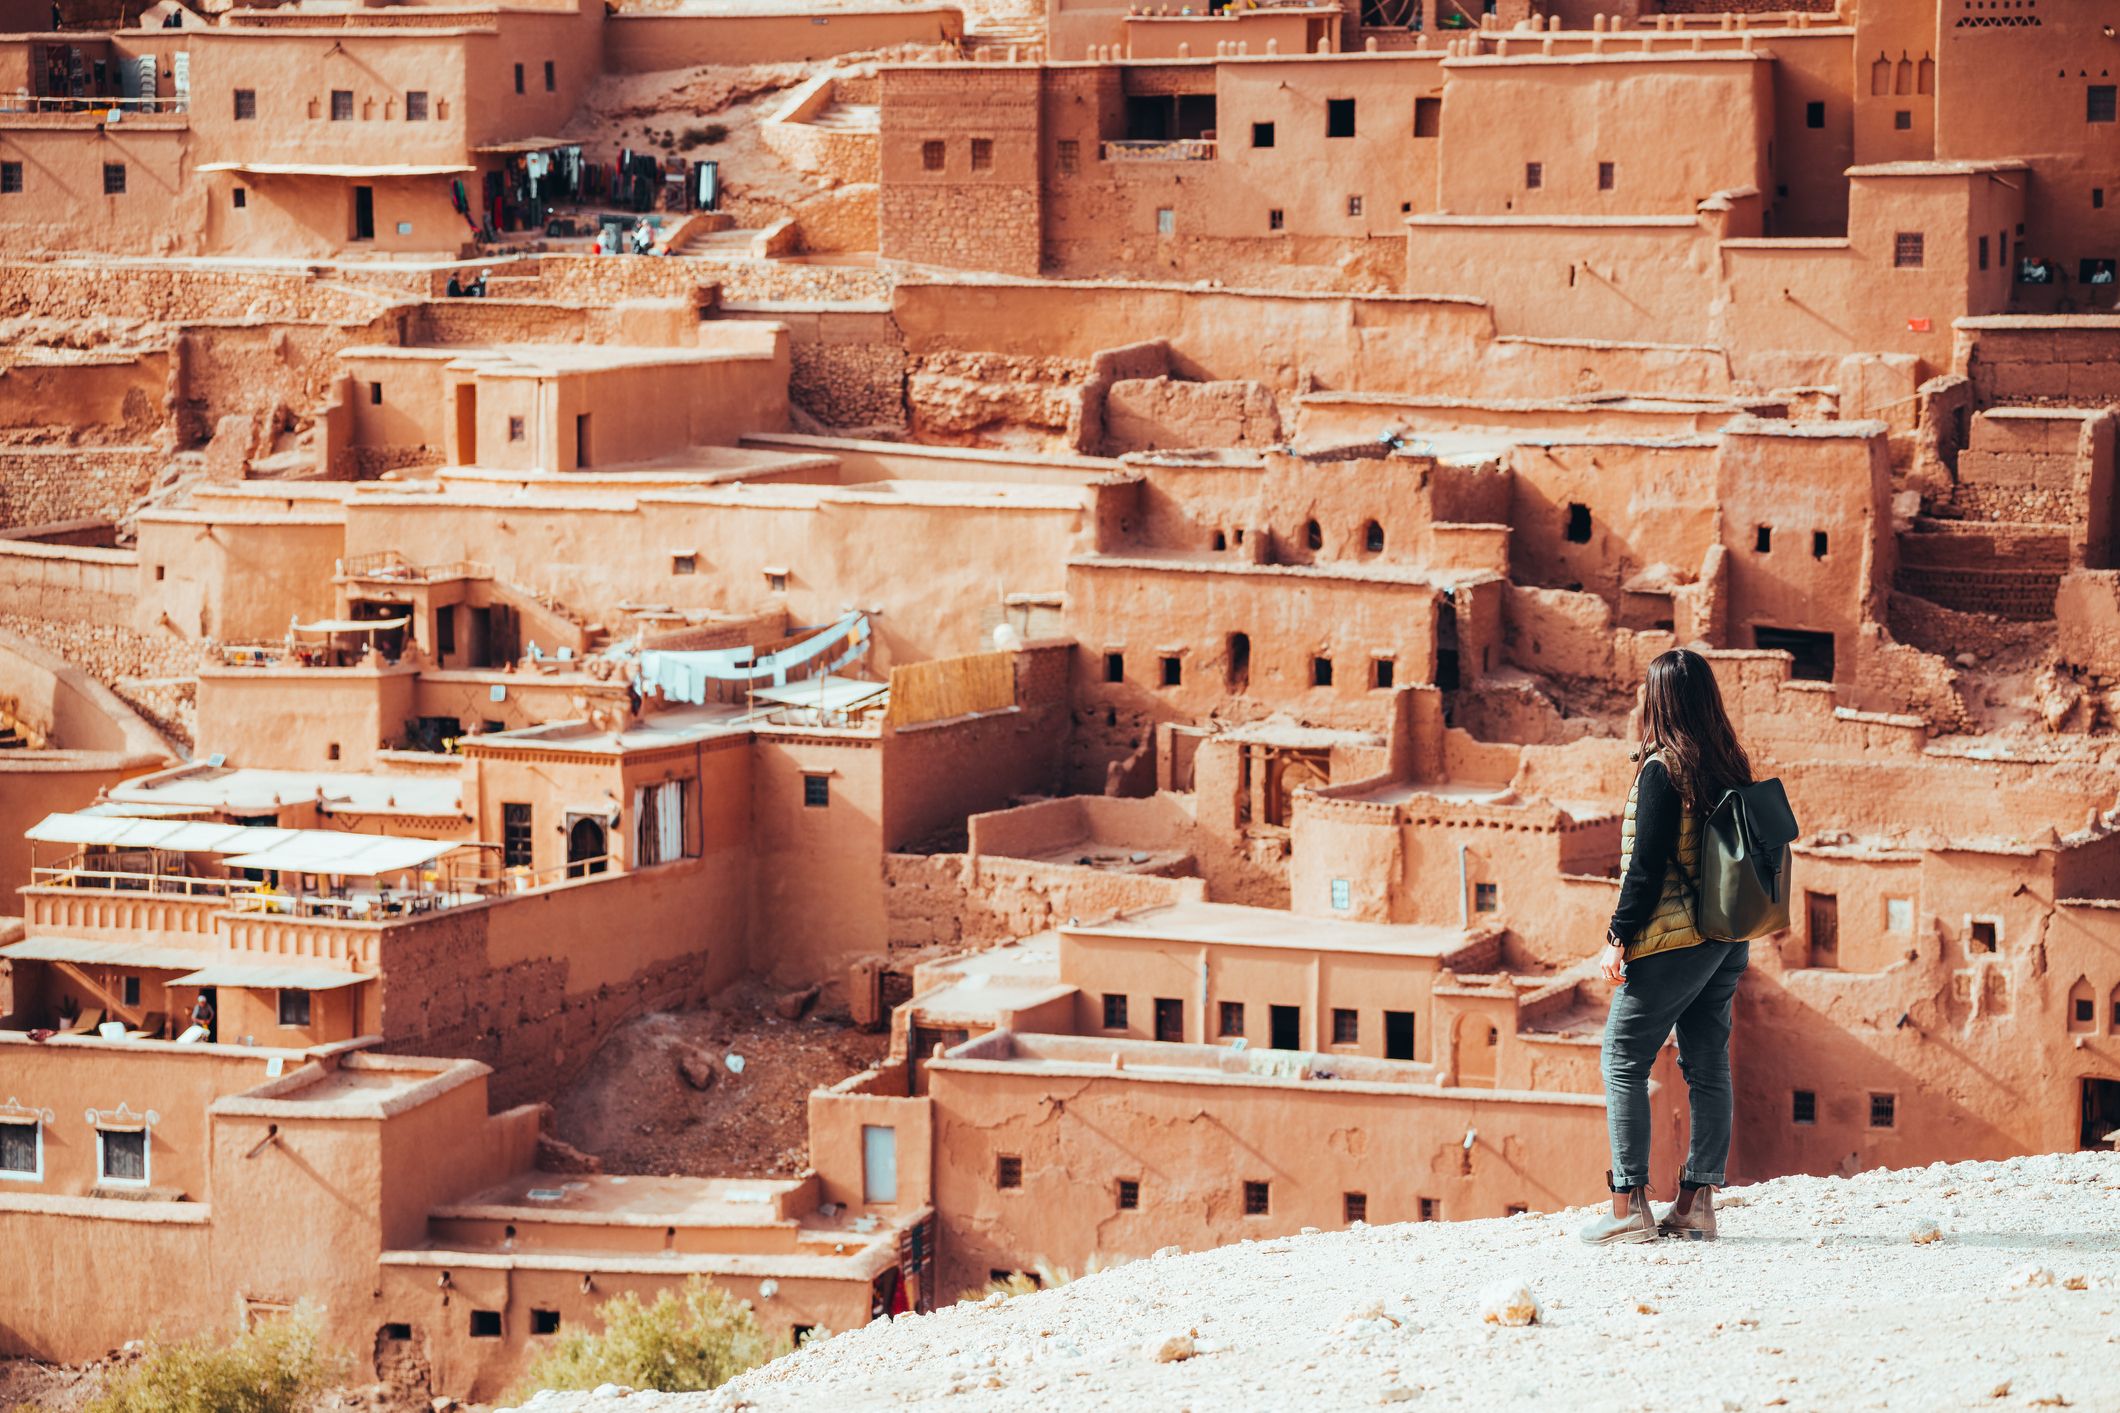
point(1671, 926)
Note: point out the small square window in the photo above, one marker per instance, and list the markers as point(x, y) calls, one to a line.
point(1983, 252)
point(1070, 155)
point(1534, 175)
point(1486, 897)
point(1275, 219)
point(1173, 670)
point(1354, 205)
point(375, 394)
point(684, 564)
point(544, 1322)
point(1166, 221)
point(1115, 667)
point(1346, 1027)
point(1763, 539)
point(2086, 1010)
point(1342, 895)
point(1803, 1107)
point(122, 1155)
point(1262, 134)
point(2098, 103)
point(1883, 1110)
point(1906, 250)
point(1431, 1209)
point(982, 154)
point(1427, 117)
point(246, 104)
point(1232, 1017)
point(1339, 117)
point(1129, 1195)
point(2097, 198)
point(486, 1324)
point(10, 178)
point(397, 1331)
point(129, 990)
point(416, 105)
point(1258, 1199)
point(1607, 176)
point(1578, 528)
point(1899, 914)
point(816, 791)
point(1008, 1171)
point(1515, 1209)
point(1321, 672)
point(1818, 544)
point(551, 78)
point(1814, 114)
point(1114, 1011)
point(294, 1008)
point(342, 103)
point(21, 1149)
point(931, 155)
point(114, 179)
point(1382, 670)
point(161, 572)
point(516, 429)
point(1983, 935)
point(242, 198)
point(1354, 1206)
point(776, 583)
point(1902, 121)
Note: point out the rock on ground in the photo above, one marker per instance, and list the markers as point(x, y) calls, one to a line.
point(1813, 1299)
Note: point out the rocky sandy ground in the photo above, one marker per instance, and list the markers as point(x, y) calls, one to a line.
point(1819, 1296)
point(638, 1105)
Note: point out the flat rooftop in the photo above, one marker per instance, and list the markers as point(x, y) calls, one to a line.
point(248, 789)
point(1233, 925)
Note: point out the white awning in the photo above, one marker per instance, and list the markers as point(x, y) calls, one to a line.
point(175, 836)
point(356, 171)
point(86, 951)
point(358, 855)
point(261, 978)
point(350, 625)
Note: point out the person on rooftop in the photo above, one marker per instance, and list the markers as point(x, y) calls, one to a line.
point(1670, 976)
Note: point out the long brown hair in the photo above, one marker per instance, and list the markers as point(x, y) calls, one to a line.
point(1683, 719)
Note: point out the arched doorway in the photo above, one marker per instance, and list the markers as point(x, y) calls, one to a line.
point(586, 848)
point(1478, 1043)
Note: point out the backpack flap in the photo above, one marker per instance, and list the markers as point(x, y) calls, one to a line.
point(1744, 889)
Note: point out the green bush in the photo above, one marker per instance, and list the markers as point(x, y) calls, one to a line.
point(275, 1368)
point(698, 1339)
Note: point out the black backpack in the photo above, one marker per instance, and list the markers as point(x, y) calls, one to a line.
point(1742, 893)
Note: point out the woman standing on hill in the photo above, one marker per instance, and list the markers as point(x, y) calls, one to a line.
point(1669, 975)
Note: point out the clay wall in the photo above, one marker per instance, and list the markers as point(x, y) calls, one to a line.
point(974, 212)
point(816, 871)
point(110, 1241)
point(233, 577)
point(1615, 110)
point(1646, 505)
point(304, 718)
point(115, 397)
point(64, 205)
point(1310, 1144)
point(648, 43)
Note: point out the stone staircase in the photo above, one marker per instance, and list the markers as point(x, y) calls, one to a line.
point(993, 37)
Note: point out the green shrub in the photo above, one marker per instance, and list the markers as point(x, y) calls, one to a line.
point(275, 1368)
point(697, 1339)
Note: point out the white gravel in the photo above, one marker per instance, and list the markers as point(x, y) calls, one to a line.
point(1822, 1294)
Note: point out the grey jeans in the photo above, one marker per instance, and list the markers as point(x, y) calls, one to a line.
point(1691, 989)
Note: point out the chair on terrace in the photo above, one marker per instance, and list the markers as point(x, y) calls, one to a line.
point(152, 1025)
point(85, 1023)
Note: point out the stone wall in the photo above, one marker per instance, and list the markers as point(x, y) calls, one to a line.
point(840, 220)
point(41, 485)
point(954, 900)
point(74, 290)
point(846, 365)
point(2032, 359)
point(992, 399)
point(1984, 567)
point(974, 211)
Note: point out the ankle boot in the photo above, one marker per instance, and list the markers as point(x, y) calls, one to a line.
point(1692, 1216)
point(1629, 1220)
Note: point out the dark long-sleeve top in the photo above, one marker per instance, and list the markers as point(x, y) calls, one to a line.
point(1658, 815)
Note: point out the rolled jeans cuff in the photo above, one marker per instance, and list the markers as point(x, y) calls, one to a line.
point(1701, 1179)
